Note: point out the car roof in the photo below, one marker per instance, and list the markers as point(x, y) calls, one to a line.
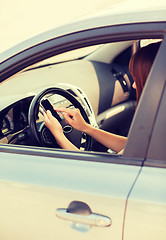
point(126, 12)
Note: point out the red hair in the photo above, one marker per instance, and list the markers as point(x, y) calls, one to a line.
point(140, 65)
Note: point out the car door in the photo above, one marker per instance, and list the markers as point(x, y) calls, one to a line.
point(37, 189)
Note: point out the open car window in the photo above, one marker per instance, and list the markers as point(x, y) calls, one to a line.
point(98, 76)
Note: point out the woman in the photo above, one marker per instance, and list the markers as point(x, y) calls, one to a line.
point(139, 66)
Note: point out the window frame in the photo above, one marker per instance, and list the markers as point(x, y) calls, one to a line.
point(141, 131)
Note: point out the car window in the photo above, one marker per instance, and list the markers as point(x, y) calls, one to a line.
point(99, 85)
point(104, 87)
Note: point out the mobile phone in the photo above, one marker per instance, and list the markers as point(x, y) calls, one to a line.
point(45, 103)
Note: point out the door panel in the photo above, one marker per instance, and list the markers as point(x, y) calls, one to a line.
point(146, 208)
point(33, 187)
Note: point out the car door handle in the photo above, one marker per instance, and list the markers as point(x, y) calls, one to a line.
point(92, 219)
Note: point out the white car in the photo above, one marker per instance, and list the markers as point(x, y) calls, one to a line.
point(50, 193)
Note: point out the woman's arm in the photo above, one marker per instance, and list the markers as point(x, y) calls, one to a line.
point(111, 141)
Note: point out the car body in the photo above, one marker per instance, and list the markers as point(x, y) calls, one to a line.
point(49, 193)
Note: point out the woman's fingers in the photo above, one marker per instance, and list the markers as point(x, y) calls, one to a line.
point(47, 117)
point(68, 119)
point(69, 112)
point(49, 114)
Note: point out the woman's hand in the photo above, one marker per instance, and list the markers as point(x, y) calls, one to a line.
point(73, 118)
point(56, 129)
point(52, 124)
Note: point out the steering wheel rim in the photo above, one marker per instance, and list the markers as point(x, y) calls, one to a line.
point(34, 109)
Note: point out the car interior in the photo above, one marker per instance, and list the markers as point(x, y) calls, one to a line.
point(95, 79)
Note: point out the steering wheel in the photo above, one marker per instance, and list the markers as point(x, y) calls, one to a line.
point(40, 134)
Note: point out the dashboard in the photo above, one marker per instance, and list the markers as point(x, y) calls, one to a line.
point(14, 123)
point(14, 119)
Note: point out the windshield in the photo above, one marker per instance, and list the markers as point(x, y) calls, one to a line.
point(68, 56)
